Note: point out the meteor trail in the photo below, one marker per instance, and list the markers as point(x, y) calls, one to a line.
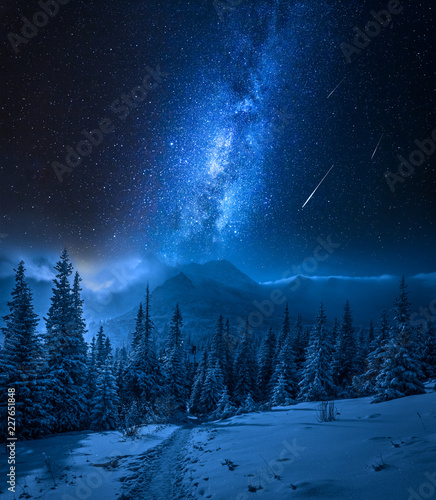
point(334, 90)
point(378, 144)
point(314, 191)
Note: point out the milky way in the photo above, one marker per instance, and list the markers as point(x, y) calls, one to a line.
point(217, 162)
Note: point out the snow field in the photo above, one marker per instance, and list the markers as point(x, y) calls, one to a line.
point(85, 465)
point(373, 451)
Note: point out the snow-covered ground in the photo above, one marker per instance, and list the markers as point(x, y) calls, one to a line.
point(373, 451)
point(85, 465)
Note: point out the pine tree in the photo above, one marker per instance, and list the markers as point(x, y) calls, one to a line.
point(287, 368)
point(100, 347)
point(400, 373)
point(317, 383)
point(218, 352)
point(22, 365)
point(376, 357)
point(344, 357)
point(197, 387)
point(92, 370)
point(284, 333)
point(144, 377)
point(65, 353)
point(301, 340)
point(429, 353)
point(175, 362)
point(249, 404)
point(244, 369)
point(212, 389)
point(280, 393)
point(265, 365)
point(105, 402)
point(225, 408)
point(139, 328)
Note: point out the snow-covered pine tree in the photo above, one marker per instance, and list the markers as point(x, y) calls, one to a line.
point(91, 382)
point(229, 351)
point(212, 389)
point(139, 328)
point(105, 403)
point(22, 365)
point(144, 378)
point(300, 341)
point(284, 332)
point(100, 354)
point(317, 382)
point(375, 357)
point(79, 326)
point(265, 365)
point(245, 368)
point(66, 358)
point(225, 408)
point(344, 356)
point(218, 351)
point(175, 363)
point(429, 353)
point(287, 368)
point(197, 387)
point(400, 373)
point(371, 336)
point(280, 393)
point(249, 404)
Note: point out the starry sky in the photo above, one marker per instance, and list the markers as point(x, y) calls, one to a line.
point(236, 129)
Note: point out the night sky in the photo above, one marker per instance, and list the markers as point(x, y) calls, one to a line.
point(236, 130)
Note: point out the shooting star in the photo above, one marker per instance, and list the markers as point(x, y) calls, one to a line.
point(378, 144)
point(334, 90)
point(314, 191)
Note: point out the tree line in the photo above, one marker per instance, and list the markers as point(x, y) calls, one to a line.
point(62, 383)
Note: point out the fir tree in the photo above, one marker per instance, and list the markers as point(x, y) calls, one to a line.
point(284, 333)
point(249, 404)
point(301, 337)
point(143, 373)
point(344, 357)
point(287, 368)
point(317, 382)
point(65, 354)
point(265, 365)
point(429, 352)
point(212, 389)
point(225, 408)
point(92, 370)
point(175, 362)
point(105, 402)
point(280, 393)
point(244, 369)
point(400, 373)
point(376, 357)
point(22, 365)
point(197, 387)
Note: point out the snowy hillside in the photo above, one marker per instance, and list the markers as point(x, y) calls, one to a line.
point(373, 451)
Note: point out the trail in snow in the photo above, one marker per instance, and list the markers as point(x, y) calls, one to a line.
point(157, 474)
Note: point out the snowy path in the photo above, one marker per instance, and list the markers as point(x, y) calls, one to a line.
point(158, 476)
